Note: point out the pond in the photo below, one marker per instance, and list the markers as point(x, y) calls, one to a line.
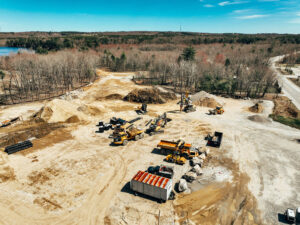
point(5, 51)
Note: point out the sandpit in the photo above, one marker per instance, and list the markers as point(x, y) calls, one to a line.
point(150, 95)
point(205, 99)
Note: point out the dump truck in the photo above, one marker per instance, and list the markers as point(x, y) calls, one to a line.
point(175, 158)
point(157, 124)
point(217, 110)
point(122, 134)
point(214, 141)
point(151, 185)
point(170, 147)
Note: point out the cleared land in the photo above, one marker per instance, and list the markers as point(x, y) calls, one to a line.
point(73, 176)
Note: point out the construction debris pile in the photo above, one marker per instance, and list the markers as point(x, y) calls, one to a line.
point(150, 95)
point(256, 108)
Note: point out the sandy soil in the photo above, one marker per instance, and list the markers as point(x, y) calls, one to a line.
point(73, 175)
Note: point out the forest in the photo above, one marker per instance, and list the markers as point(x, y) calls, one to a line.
point(230, 67)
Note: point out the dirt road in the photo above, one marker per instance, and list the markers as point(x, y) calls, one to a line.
point(291, 90)
point(74, 176)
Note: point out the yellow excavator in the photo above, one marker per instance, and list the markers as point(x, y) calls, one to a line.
point(157, 124)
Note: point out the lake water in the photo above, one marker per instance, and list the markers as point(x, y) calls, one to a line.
point(5, 51)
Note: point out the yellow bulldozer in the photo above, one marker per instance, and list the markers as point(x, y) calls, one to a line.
point(217, 110)
point(122, 134)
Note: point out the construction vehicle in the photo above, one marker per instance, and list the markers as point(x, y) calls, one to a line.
point(175, 158)
point(186, 103)
point(217, 110)
point(122, 134)
point(157, 124)
point(290, 215)
point(142, 109)
point(162, 170)
point(9, 122)
point(298, 215)
point(214, 141)
point(184, 149)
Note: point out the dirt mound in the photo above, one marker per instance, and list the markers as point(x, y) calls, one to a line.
point(150, 95)
point(73, 119)
point(26, 131)
point(257, 108)
point(7, 173)
point(114, 97)
point(284, 107)
point(259, 119)
point(90, 110)
point(47, 113)
point(202, 98)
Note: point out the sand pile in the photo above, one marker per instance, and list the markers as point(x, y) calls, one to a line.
point(257, 108)
point(114, 97)
point(59, 110)
point(259, 119)
point(90, 110)
point(150, 95)
point(110, 97)
point(205, 99)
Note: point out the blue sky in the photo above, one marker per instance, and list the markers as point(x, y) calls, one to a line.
point(214, 16)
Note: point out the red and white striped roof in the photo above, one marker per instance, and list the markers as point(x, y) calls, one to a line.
point(151, 179)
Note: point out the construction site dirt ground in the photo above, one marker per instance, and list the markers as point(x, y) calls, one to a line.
point(73, 175)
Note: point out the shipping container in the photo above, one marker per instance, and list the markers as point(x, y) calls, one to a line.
point(152, 185)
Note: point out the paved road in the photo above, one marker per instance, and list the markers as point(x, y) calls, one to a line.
point(291, 90)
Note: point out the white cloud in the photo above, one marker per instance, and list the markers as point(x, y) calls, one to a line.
point(208, 6)
point(297, 21)
point(268, 0)
point(241, 11)
point(249, 17)
point(298, 14)
point(231, 3)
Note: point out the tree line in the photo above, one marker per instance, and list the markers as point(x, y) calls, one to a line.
point(85, 41)
point(28, 77)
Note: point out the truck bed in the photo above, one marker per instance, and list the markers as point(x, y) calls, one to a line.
point(171, 145)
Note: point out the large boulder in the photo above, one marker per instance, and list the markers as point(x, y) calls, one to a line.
point(190, 176)
point(182, 185)
point(197, 169)
point(197, 161)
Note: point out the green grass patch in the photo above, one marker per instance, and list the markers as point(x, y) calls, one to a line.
point(292, 122)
